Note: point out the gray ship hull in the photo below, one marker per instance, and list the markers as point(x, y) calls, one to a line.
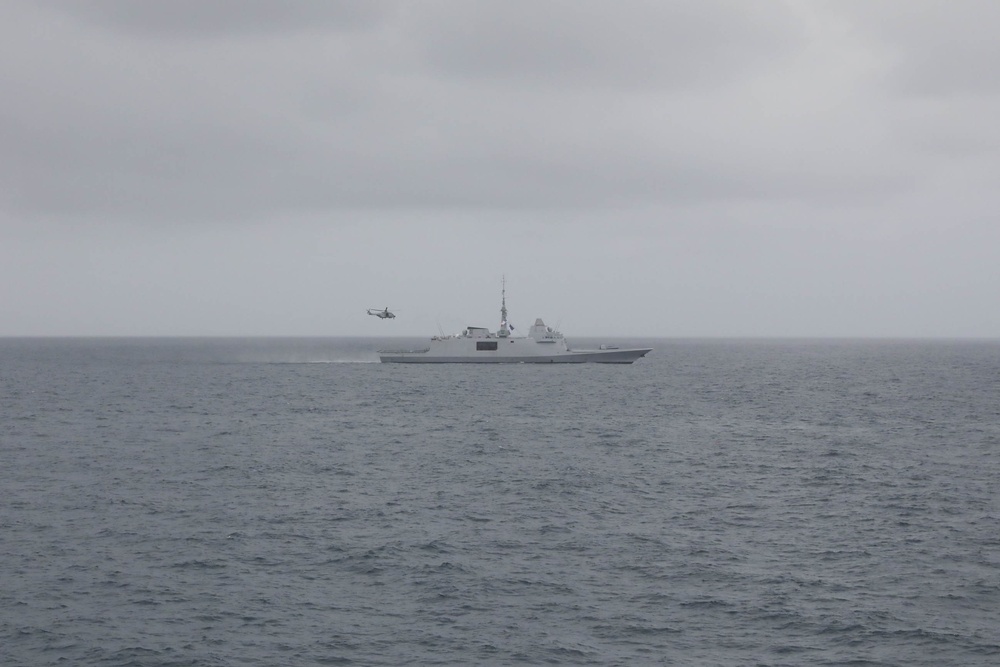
point(560, 357)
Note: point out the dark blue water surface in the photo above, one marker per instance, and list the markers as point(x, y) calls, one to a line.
point(283, 502)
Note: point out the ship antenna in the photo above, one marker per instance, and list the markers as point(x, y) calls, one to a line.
point(503, 307)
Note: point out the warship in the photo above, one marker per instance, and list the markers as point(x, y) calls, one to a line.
point(479, 345)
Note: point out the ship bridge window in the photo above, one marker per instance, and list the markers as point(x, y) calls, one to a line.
point(486, 345)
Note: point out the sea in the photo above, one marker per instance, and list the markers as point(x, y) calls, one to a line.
point(239, 502)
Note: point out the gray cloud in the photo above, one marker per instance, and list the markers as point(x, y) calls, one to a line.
point(932, 48)
point(204, 19)
point(456, 105)
point(757, 168)
point(634, 45)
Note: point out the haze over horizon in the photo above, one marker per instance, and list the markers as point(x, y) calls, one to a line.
point(658, 169)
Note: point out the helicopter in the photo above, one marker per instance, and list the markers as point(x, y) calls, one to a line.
point(385, 314)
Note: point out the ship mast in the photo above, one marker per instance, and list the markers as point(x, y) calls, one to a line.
point(503, 310)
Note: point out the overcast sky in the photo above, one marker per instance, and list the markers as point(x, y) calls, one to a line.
point(697, 168)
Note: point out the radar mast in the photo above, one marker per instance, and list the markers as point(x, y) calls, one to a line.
point(504, 331)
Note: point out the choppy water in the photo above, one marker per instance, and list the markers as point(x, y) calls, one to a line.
point(226, 502)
